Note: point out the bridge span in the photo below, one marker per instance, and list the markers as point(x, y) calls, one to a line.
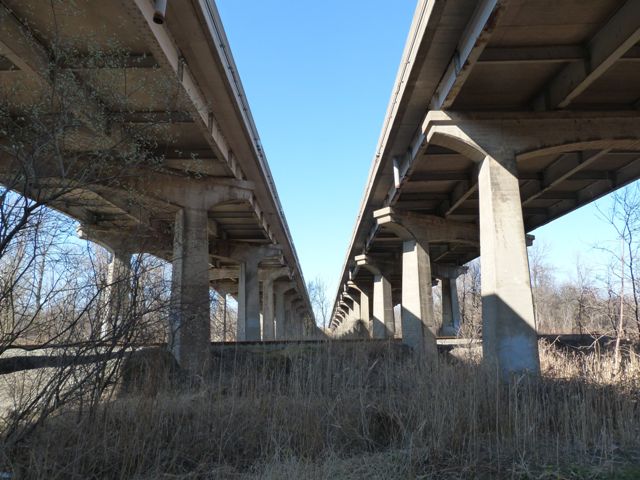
point(505, 115)
point(153, 94)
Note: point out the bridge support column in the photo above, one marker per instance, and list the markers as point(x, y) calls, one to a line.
point(249, 257)
point(118, 291)
point(268, 301)
point(418, 323)
point(280, 308)
point(365, 310)
point(268, 311)
point(190, 330)
point(249, 301)
point(417, 231)
point(287, 334)
point(289, 320)
point(383, 324)
point(363, 299)
point(296, 323)
point(356, 311)
point(450, 307)
point(508, 325)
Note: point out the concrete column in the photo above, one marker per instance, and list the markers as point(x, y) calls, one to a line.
point(291, 324)
point(280, 311)
point(190, 329)
point(508, 325)
point(296, 324)
point(364, 310)
point(418, 323)
point(450, 307)
point(248, 301)
point(268, 310)
point(356, 311)
point(383, 325)
point(287, 325)
point(118, 291)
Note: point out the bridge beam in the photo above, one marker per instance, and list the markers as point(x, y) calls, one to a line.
point(607, 46)
point(473, 41)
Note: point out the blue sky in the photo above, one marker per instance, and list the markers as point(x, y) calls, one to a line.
point(318, 77)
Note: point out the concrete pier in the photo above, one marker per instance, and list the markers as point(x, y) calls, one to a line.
point(383, 324)
point(189, 321)
point(249, 301)
point(418, 323)
point(508, 324)
point(450, 308)
point(118, 290)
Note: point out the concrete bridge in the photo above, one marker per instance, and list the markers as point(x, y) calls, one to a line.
point(505, 115)
point(206, 200)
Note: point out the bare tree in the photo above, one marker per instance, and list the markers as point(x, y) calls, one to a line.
point(624, 217)
point(61, 149)
point(319, 300)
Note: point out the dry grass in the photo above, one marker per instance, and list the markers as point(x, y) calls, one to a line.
point(343, 412)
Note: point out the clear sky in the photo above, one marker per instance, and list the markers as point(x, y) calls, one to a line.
point(318, 77)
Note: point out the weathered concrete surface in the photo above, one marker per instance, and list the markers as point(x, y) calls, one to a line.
point(508, 324)
point(383, 324)
point(450, 307)
point(189, 323)
point(418, 322)
point(118, 290)
point(471, 86)
point(249, 301)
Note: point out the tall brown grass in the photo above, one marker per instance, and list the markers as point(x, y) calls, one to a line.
point(354, 411)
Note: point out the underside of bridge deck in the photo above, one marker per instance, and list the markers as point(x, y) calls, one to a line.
point(159, 152)
point(505, 115)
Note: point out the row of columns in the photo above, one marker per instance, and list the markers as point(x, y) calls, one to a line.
point(509, 331)
point(416, 300)
point(277, 312)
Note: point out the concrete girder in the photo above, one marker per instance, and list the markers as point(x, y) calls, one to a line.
point(529, 134)
point(20, 46)
point(440, 270)
point(237, 251)
point(425, 228)
point(608, 45)
point(473, 41)
point(567, 165)
point(204, 193)
point(164, 50)
point(233, 273)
